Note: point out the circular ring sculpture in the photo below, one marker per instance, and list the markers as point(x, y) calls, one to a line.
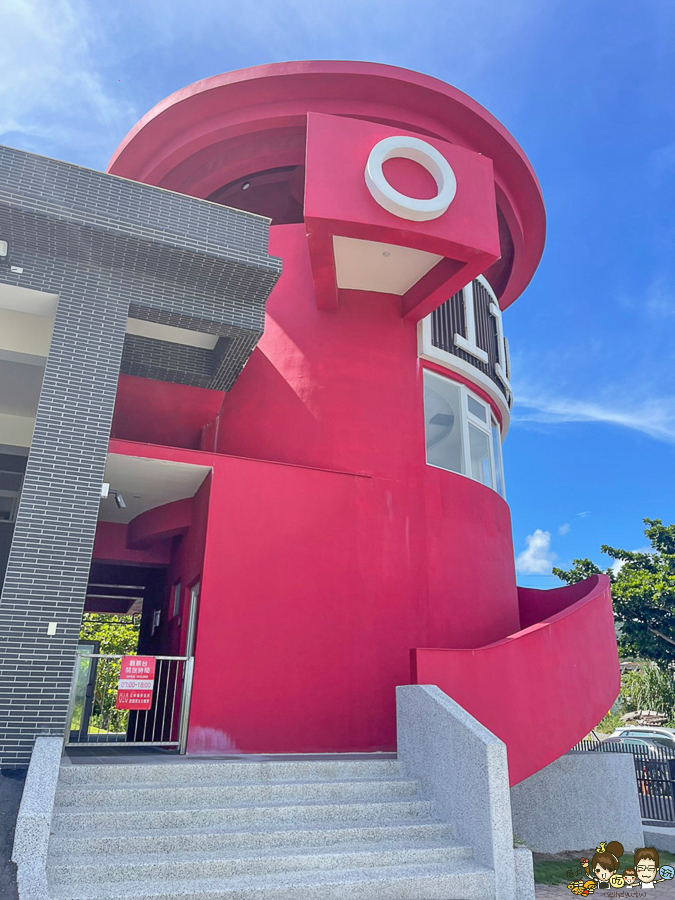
point(425, 155)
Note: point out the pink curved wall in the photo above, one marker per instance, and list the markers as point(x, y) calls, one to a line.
point(316, 585)
point(544, 688)
point(322, 573)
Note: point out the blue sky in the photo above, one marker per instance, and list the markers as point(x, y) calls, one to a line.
point(586, 87)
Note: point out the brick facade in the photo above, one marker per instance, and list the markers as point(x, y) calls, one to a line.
point(109, 248)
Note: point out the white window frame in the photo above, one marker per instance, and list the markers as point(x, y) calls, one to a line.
point(494, 422)
point(176, 596)
point(469, 342)
point(467, 417)
point(427, 350)
point(503, 366)
point(470, 419)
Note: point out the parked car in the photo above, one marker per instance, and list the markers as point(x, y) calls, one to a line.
point(662, 737)
point(639, 746)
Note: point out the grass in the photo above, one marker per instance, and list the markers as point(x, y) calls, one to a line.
point(553, 869)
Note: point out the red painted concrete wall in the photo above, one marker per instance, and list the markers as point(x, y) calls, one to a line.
point(160, 412)
point(111, 545)
point(314, 591)
point(337, 390)
point(543, 689)
point(332, 578)
point(187, 562)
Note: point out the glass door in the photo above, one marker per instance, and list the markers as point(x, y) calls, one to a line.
point(84, 690)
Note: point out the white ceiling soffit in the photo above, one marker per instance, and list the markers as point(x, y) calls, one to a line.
point(16, 431)
point(147, 483)
point(385, 268)
point(28, 301)
point(24, 335)
point(171, 334)
point(19, 388)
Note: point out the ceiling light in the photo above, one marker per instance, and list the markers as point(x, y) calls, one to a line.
point(246, 185)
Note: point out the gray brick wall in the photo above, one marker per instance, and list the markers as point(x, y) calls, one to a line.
point(167, 361)
point(105, 246)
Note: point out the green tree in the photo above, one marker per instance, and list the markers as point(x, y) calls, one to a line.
point(643, 593)
point(118, 636)
point(653, 688)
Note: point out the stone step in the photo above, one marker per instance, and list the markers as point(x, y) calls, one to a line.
point(219, 772)
point(187, 796)
point(64, 847)
point(151, 819)
point(180, 867)
point(433, 881)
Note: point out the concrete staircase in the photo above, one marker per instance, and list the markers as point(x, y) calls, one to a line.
point(254, 831)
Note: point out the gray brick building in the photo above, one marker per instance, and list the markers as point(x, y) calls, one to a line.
point(98, 271)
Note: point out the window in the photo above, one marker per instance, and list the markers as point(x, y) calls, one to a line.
point(175, 609)
point(442, 404)
point(462, 435)
point(10, 491)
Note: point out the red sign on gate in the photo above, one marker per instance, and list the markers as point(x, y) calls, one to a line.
point(137, 681)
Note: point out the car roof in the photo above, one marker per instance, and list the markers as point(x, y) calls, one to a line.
point(649, 729)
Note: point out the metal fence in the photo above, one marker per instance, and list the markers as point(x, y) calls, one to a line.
point(95, 719)
point(654, 774)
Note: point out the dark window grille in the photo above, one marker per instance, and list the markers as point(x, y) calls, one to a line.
point(449, 319)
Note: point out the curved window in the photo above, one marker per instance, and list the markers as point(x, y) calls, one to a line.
point(462, 434)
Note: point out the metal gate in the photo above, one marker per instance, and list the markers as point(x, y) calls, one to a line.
point(94, 718)
point(654, 774)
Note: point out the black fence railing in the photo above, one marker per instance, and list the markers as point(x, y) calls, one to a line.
point(654, 774)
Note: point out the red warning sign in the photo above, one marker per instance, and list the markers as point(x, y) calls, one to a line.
point(137, 682)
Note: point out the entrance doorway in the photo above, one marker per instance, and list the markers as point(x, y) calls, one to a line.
point(126, 615)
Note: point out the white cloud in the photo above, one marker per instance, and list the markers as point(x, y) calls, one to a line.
point(583, 515)
point(616, 566)
point(564, 529)
point(654, 416)
point(53, 99)
point(537, 558)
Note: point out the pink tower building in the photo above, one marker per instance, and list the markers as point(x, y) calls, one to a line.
point(356, 531)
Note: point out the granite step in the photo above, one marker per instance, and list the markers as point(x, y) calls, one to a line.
point(432, 881)
point(91, 820)
point(220, 772)
point(64, 846)
point(182, 866)
point(190, 795)
point(263, 830)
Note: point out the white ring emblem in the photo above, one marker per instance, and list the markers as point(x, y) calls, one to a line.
point(400, 204)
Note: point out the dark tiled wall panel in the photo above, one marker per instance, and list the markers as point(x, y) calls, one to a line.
point(83, 196)
point(166, 361)
point(109, 248)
